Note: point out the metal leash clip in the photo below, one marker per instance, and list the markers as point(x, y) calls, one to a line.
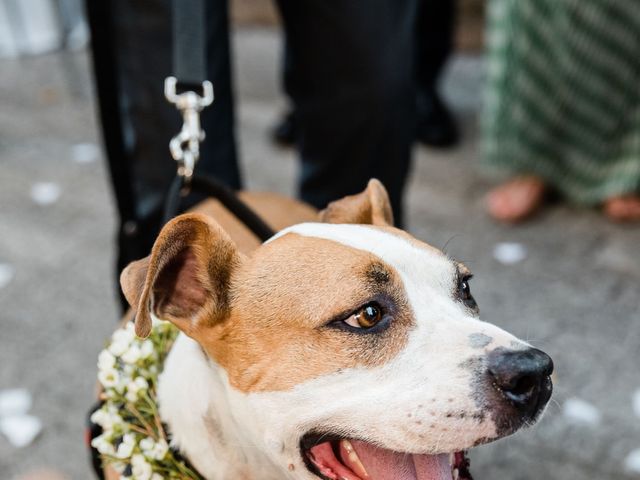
point(185, 146)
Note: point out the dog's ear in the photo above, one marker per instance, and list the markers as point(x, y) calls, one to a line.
point(186, 279)
point(371, 207)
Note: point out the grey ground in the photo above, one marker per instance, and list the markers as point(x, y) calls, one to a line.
point(575, 296)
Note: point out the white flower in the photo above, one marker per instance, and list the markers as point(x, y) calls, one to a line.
point(154, 450)
point(125, 449)
point(113, 420)
point(98, 417)
point(103, 445)
point(142, 383)
point(146, 445)
point(106, 361)
point(122, 384)
point(108, 378)
point(160, 450)
point(147, 349)
point(140, 468)
point(118, 348)
point(106, 419)
point(132, 355)
point(135, 387)
point(156, 476)
point(121, 340)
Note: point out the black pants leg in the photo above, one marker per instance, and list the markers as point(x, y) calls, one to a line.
point(351, 81)
point(434, 40)
point(132, 57)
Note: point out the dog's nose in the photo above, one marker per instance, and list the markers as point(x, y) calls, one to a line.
point(523, 376)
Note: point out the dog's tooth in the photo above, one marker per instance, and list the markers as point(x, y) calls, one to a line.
point(451, 459)
point(355, 463)
point(456, 474)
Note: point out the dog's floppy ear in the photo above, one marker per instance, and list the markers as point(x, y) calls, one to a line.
point(370, 207)
point(186, 278)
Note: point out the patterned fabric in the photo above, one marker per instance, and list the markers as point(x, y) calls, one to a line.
point(563, 94)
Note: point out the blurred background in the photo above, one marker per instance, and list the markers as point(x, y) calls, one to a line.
point(568, 282)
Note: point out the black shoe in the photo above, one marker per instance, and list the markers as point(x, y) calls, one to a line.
point(286, 131)
point(436, 125)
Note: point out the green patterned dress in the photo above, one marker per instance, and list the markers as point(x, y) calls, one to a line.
point(563, 94)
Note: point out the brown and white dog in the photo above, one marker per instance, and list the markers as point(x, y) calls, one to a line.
point(342, 348)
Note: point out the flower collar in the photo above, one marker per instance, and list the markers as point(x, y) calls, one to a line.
point(133, 440)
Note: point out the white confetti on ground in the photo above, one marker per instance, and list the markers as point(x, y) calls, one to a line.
point(14, 401)
point(20, 430)
point(45, 193)
point(635, 402)
point(85, 152)
point(7, 273)
point(509, 253)
point(632, 462)
point(580, 412)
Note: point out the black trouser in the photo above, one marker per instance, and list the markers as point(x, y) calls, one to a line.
point(354, 91)
point(434, 42)
point(352, 87)
point(434, 33)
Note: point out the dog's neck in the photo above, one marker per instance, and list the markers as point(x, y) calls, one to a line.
point(194, 398)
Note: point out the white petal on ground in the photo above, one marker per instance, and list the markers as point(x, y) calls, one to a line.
point(85, 152)
point(636, 402)
point(6, 274)
point(578, 411)
point(632, 462)
point(45, 193)
point(14, 401)
point(20, 430)
point(509, 253)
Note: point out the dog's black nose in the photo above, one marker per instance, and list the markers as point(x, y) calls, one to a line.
point(523, 377)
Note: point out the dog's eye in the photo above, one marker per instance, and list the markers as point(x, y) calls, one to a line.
point(367, 317)
point(464, 292)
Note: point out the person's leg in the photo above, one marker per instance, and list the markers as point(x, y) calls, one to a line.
point(353, 89)
point(434, 40)
point(434, 44)
point(132, 57)
point(285, 131)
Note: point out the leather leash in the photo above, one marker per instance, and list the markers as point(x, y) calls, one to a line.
point(190, 92)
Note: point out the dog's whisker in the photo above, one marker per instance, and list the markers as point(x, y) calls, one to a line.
point(556, 403)
point(444, 247)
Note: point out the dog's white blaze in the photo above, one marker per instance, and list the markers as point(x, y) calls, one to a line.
point(422, 401)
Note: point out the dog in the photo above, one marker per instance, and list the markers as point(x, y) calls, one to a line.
point(342, 348)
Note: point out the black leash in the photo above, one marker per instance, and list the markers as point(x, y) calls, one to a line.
point(213, 188)
point(189, 43)
point(190, 91)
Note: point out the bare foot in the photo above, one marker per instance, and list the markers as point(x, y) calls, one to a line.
point(516, 199)
point(625, 208)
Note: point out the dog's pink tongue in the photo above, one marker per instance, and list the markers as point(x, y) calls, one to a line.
point(382, 464)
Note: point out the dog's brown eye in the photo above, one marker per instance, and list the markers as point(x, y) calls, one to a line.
point(367, 317)
point(464, 293)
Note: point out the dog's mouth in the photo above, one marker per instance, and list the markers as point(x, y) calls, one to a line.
point(335, 458)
